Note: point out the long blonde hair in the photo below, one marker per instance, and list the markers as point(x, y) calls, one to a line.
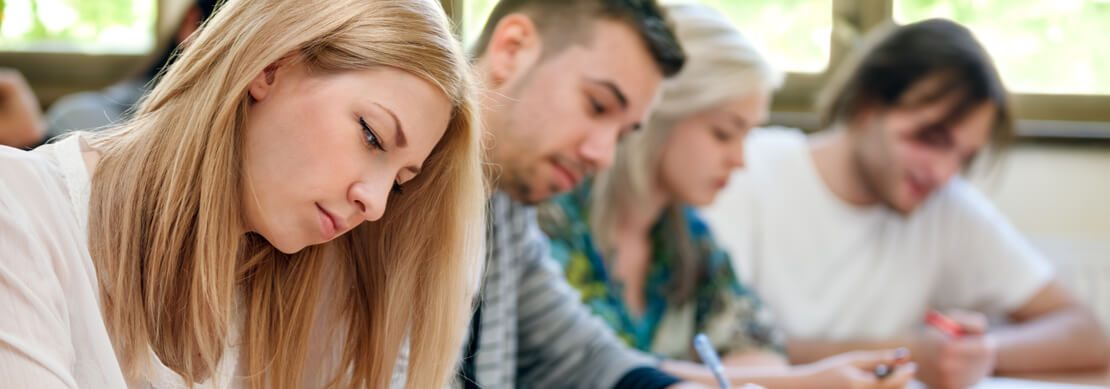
point(170, 262)
point(721, 64)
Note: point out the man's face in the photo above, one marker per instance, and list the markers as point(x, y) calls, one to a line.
point(907, 151)
point(561, 115)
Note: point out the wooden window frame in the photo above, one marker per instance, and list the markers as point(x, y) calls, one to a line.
point(1039, 115)
point(53, 75)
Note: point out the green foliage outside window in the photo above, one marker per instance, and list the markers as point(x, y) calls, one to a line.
point(1040, 46)
point(113, 26)
point(794, 33)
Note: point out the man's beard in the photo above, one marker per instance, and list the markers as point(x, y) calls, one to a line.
point(867, 160)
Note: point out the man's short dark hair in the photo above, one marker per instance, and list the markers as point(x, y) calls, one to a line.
point(562, 23)
point(897, 58)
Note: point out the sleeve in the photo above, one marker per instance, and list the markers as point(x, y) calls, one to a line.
point(35, 343)
point(80, 111)
point(732, 315)
point(560, 344)
point(992, 268)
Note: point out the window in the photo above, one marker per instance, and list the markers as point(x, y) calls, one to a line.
point(89, 26)
point(475, 13)
point(1039, 46)
point(793, 33)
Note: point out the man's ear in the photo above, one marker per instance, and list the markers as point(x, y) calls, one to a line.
point(514, 47)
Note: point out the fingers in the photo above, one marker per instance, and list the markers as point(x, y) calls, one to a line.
point(901, 377)
point(971, 322)
point(869, 360)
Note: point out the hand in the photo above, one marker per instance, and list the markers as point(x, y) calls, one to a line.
point(956, 363)
point(21, 123)
point(856, 370)
point(694, 385)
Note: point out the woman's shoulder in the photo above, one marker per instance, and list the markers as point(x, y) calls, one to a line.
point(41, 234)
point(25, 174)
point(36, 210)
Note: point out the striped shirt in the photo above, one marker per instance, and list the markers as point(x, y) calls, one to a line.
point(534, 331)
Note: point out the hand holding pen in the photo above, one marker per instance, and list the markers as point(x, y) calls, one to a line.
point(954, 351)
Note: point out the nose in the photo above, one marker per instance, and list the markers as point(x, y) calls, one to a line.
point(735, 157)
point(369, 200)
point(598, 148)
point(945, 168)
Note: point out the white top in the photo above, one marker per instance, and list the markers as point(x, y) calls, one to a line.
point(52, 334)
point(833, 271)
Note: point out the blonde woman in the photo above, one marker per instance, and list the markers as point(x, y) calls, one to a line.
point(633, 245)
point(235, 232)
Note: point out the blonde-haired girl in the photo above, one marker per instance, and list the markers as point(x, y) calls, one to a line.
point(235, 232)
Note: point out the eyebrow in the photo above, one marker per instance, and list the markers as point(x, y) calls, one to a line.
point(739, 122)
point(401, 140)
point(613, 88)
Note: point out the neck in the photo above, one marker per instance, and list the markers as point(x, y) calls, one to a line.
point(638, 220)
point(835, 160)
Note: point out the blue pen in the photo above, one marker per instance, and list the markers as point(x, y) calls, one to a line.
point(710, 358)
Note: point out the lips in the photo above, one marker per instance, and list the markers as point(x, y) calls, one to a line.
point(567, 177)
point(721, 183)
point(329, 225)
point(918, 189)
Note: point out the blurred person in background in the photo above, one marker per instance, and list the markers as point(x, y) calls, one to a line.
point(853, 235)
point(633, 245)
point(21, 122)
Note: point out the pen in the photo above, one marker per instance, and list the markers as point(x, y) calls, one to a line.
point(901, 356)
point(944, 324)
point(710, 358)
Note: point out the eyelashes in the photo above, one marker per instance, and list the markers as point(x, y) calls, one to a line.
point(596, 106)
point(373, 141)
point(370, 136)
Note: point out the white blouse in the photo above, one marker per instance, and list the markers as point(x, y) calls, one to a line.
point(52, 333)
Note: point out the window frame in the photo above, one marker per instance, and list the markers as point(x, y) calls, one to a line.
point(52, 75)
point(1039, 115)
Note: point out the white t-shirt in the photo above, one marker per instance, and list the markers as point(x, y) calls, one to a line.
point(833, 271)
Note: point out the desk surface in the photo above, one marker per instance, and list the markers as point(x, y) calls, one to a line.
point(1089, 378)
point(1096, 378)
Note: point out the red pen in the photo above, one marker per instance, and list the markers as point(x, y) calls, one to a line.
point(944, 324)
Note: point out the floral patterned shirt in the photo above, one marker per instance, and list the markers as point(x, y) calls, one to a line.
point(731, 315)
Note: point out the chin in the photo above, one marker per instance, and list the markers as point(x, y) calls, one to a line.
point(703, 202)
point(905, 206)
point(287, 247)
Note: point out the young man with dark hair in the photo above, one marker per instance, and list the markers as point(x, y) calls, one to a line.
point(565, 79)
point(853, 235)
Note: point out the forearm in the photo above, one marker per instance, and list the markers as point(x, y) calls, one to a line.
point(755, 358)
point(1067, 339)
point(784, 377)
point(809, 351)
